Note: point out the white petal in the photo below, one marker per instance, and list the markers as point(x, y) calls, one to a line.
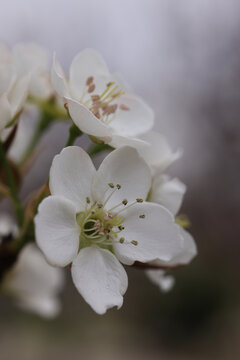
point(71, 175)
point(58, 79)
point(167, 192)
point(5, 112)
point(86, 121)
point(18, 94)
point(88, 63)
point(57, 232)
point(30, 57)
point(99, 278)
point(187, 252)
point(123, 166)
point(40, 86)
point(159, 154)
point(34, 283)
point(157, 235)
point(158, 277)
point(119, 141)
point(135, 121)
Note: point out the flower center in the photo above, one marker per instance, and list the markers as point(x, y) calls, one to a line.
point(103, 227)
point(102, 105)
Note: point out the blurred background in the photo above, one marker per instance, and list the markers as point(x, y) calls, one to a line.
point(183, 57)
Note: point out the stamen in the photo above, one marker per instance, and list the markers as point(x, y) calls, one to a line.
point(139, 200)
point(142, 216)
point(120, 227)
point(124, 107)
point(111, 185)
point(91, 88)
point(124, 202)
point(89, 80)
point(118, 186)
point(121, 240)
point(134, 242)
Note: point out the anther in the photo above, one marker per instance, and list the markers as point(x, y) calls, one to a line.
point(87, 200)
point(139, 200)
point(124, 107)
point(120, 227)
point(95, 98)
point(134, 242)
point(118, 186)
point(125, 201)
point(142, 216)
point(111, 185)
point(99, 205)
point(91, 88)
point(89, 80)
point(121, 240)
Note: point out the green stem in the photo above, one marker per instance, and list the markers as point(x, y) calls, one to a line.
point(13, 189)
point(74, 133)
point(98, 148)
point(45, 121)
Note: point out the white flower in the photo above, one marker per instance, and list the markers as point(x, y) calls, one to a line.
point(159, 154)
point(32, 282)
point(159, 278)
point(167, 192)
point(33, 59)
point(97, 103)
point(94, 219)
point(13, 88)
point(189, 251)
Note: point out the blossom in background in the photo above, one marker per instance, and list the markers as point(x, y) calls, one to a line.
point(33, 59)
point(98, 102)
point(168, 193)
point(31, 282)
point(13, 88)
point(97, 219)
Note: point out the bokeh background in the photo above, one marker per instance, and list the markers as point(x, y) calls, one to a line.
point(183, 57)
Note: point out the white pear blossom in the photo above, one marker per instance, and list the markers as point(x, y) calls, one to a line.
point(31, 282)
point(13, 88)
point(33, 59)
point(98, 102)
point(189, 251)
point(96, 219)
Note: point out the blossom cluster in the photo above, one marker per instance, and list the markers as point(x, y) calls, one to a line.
point(97, 222)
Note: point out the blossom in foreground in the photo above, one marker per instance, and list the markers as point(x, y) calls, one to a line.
point(13, 88)
point(98, 102)
point(33, 59)
point(96, 219)
point(31, 282)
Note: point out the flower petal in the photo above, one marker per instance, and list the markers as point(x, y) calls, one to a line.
point(58, 78)
point(88, 63)
point(157, 235)
point(119, 141)
point(158, 277)
point(99, 278)
point(159, 154)
point(138, 119)
point(123, 166)
point(18, 94)
point(5, 111)
point(167, 192)
point(187, 252)
point(34, 283)
point(71, 176)
point(57, 232)
point(86, 121)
